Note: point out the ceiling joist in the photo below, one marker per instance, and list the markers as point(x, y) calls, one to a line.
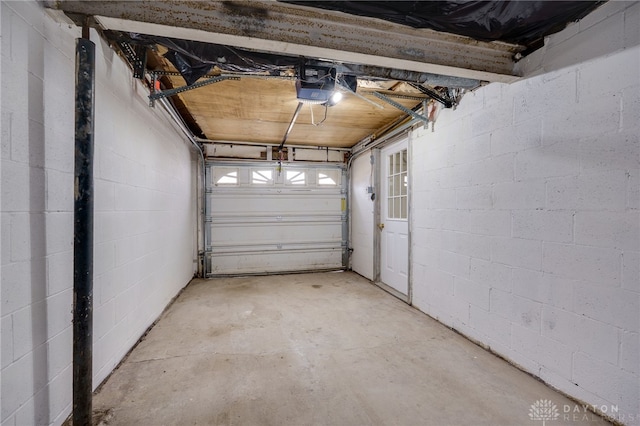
point(293, 30)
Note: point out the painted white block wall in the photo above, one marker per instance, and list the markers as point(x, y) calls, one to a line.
point(526, 221)
point(144, 213)
point(361, 216)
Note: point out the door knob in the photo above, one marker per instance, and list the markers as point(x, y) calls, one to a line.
point(381, 226)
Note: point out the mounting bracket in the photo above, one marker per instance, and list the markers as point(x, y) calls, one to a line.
point(401, 107)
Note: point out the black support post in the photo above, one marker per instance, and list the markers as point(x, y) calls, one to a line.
point(83, 233)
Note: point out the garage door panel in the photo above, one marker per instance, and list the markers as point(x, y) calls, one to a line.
point(257, 262)
point(276, 226)
point(282, 204)
point(276, 233)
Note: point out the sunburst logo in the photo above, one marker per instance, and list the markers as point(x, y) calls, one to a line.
point(543, 410)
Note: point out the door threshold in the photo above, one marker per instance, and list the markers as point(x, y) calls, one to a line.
point(392, 291)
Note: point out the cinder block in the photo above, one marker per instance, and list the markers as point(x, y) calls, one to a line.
point(486, 222)
point(599, 79)
point(442, 199)
point(21, 137)
point(495, 275)
point(24, 230)
point(455, 177)
point(631, 108)
point(520, 137)
point(471, 150)
point(545, 162)
point(59, 272)
point(453, 263)
point(437, 157)
point(543, 225)
point(523, 361)
point(517, 252)
point(491, 326)
point(600, 40)
point(633, 189)
point(60, 352)
point(616, 151)
point(543, 288)
point(618, 230)
point(124, 250)
point(610, 305)
point(631, 271)
point(630, 352)
point(104, 319)
point(6, 354)
point(104, 257)
point(14, 196)
point(124, 305)
point(110, 164)
point(484, 120)
point(59, 312)
point(29, 329)
point(5, 136)
point(466, 244)
point(17, 386)
point(126, 197)
point(5, 238)
point(522, 195)
point(60, 397)
point(18, 280)
point(474, 198)
point(493, 93)
point(474, 293)
point(588, 118)
point(493, 170)
point(59, 187)
point(589, 191)
point(532, 99)
point(36, 101)
point(547, 352)
point(613, 384)
point(581, 333)
point(500, 303)
point(59, 227)
point(598, 265)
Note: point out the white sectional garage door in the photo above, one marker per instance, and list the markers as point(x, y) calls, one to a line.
point(264, 219)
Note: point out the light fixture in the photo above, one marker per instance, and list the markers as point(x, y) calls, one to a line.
point(336, 97)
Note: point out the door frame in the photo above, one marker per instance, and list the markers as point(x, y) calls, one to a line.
point(379, 173)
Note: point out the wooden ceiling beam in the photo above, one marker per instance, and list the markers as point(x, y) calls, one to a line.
point(271, 26)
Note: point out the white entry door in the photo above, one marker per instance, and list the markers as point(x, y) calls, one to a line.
point(394, 226)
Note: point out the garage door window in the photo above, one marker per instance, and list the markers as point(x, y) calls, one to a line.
point(329, 177)
point(225, 176)
point(296, 177)
point(262, 177)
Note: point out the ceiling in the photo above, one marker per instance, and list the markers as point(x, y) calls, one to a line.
point(239, 60)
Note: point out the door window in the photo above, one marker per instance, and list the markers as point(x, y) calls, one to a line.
point(397, 183)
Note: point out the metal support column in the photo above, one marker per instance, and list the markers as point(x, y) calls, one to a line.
point(83, 232)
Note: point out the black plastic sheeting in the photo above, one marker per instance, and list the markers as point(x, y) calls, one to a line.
point(194, 59)
point(521, 22)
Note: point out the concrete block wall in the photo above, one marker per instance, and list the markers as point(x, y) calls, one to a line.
point(144, 213)
point(526, 220)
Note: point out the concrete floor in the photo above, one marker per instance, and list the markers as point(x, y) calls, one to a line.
point(313, 349)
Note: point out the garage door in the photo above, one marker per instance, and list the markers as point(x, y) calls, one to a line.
point(266, 219)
